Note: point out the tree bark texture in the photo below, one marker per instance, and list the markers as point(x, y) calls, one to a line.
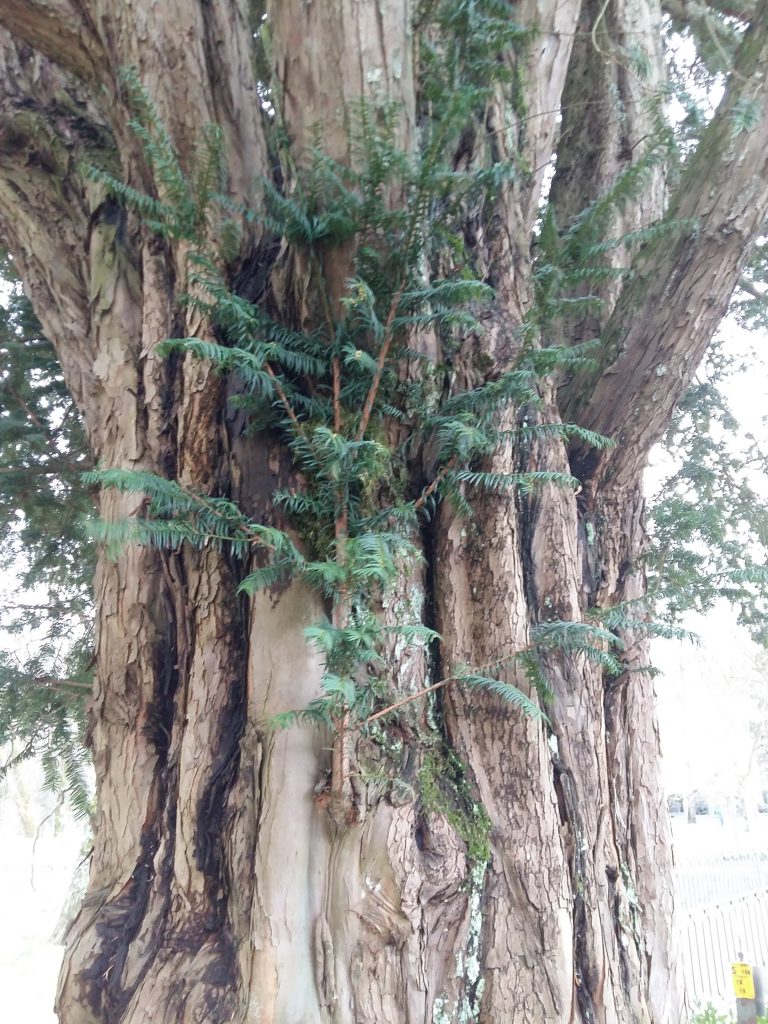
point(220, 888)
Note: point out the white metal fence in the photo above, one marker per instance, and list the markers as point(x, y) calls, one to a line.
point(717, 935)
point(723, 911)
point(705, 880)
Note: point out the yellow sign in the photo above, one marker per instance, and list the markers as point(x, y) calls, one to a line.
point(743, 982)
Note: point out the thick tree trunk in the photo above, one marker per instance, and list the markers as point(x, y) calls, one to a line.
point(515, 871)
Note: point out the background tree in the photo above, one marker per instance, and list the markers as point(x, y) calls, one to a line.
point(43, 454)
point(221, 886)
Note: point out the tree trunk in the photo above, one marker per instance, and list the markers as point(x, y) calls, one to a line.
point(517, 871)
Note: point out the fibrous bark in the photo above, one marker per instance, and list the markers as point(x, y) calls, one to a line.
point(220, 888)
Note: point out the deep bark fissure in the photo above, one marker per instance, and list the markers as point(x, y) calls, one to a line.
point(120, 929)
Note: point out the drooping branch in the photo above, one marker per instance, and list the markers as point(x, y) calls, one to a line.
point(668, 312)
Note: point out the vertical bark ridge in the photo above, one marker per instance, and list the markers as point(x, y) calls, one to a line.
point(168, 710)
point(641, 823)
point(525, 932)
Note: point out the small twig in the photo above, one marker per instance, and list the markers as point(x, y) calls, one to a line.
point(252, 535)
point(50, 607)
point(386, 345)
point(443, 682)
point(48, 469)
point(52, 681)
point(407, 700)
point(29, 412)
point(751, 289)
point(336, 395)
point(284, 399)
point(430, 490)
point(57, 807)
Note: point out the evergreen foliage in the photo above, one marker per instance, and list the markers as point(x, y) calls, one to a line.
point(709, 522)
point(338, 395)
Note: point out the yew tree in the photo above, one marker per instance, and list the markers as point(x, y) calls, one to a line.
point(373, 311)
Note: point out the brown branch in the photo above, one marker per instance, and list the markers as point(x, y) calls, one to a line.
point(29, 412)
point(679, 290)
point(50, 438)
point(56, 606)
point(49, 469)
point(442, 683)
point(407, 700)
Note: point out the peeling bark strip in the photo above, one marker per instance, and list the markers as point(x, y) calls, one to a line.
point(515, 872)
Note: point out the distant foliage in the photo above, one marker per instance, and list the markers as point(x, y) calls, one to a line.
point(709, 523)
point(43, 547)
